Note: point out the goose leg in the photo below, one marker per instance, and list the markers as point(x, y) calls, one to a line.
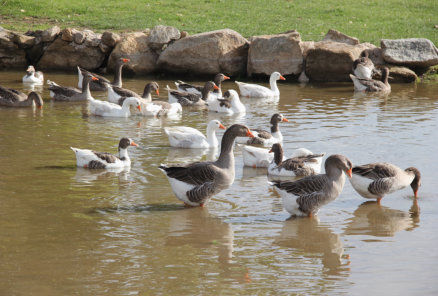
point(378, 200)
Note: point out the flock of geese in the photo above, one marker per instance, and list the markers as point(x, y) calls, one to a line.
point(195, 183)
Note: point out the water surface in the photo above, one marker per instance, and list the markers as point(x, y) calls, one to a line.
point(70, 231)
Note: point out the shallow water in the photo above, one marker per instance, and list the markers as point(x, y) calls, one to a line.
point(69, 231)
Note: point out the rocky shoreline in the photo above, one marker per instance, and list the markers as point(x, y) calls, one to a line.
point(165, 49)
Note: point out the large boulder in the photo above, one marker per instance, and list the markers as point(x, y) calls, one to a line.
point(135, 47)
point(414, 52)
point(162, 35)
point(50, 34)
point(397, 74)
point(270, 53)
point(11, 55)
point(207, 53)
point(332, 61)
point(336, 36)
point(64, 55)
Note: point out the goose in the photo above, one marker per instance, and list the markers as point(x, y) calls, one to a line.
point(116, 94)
point(188, 137)
point(197, 89)
point(13, 98)
point(363, 67)
point(258, 91)
point(375, 180)
point(107, 109)
point(370, 85)
point(306, 196)
point(32, 76)
point(230, 104)
point(188, 99)
point(99, 85)
point(195, 183)
point(303, 164)
point(265, 138)
point(71, 94)
point(103, 160)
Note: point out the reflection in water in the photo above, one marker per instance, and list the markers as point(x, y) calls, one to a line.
point(373, 219)
point(315, 240)
point(88, 176)
point(197, 228)
point(181, 155)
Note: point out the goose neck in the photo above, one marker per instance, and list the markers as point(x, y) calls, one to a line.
point(273, 83)
point(123, 154)
point(226, 157)
point(211, 136)
point(118, 76)
point(278, 156)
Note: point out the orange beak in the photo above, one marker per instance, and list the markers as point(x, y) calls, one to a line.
point(94, 78)
point(349, 173)
point(139, 108)
point(221, 126)
point(282, 78)
point(226, 77)
point(125, 60)
point(133, 144)
point(285, 120)
point(158, 92)
point(270, 151)
point(249, 134)
point(215, 87)
point(416, 193)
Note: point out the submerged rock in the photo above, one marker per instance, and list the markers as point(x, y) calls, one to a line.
point(416, 52)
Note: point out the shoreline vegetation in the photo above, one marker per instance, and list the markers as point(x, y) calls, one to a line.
point(369, 21)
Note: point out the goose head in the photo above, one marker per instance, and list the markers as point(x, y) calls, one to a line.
point(239, 130)
point(122, 61)
point(30, 70)
point(277, 118)
point(89, 77)
point(208, 87)
point(37, 99)
point(149, 88)
point(215, 125)
point(231, 95)
point(131, 101)
point(219, 78)
point(416, 183)
point(277, 76)
point(338, 162)
point(123, 145)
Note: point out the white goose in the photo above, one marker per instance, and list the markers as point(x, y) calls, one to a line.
point(187, 137)
point(32, 76)
point(107, 109)
point(258, 91)
point(302, 163)
point(103, 160)
point(230, 104)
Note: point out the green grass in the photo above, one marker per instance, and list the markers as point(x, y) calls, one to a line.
point(368, 20)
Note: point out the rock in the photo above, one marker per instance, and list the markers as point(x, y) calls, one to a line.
point(305, 46)
point(110, 39)
point(63, 55)
point(162, 35)
point(11, 56)
point(67, 34)
point(270, 53)
point(207, 53)
point(23, 41)
point(336, 36)
point(79, 37)
point(135, 47)
point(376, 55)
point(104, 48)
point(92, 41)
point(398, 74)
point(416, 52)
point(332, 61)
point(50, 34)
point(184, 34)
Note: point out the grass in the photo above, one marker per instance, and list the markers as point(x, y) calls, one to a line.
point(368, 20)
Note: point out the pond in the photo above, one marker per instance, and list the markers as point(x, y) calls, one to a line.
point(70, 231)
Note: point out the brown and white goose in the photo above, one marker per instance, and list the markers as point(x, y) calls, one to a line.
point(375, 180)
point(32, 76)
point(14, 98)
point(302, 164)
point(100, 85)
point(262, 137)
point(306, 196)
point(363, 67)
point(371, 85)
point(71, 94)
point(103, 160)
point(189, 99)
point(196, 183)
point(197, 89)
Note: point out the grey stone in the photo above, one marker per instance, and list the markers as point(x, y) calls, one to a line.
point(50, 34)
point(161, 35)
point(416, 52)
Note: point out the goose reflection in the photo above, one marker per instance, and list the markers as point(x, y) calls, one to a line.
point(181, 155)
point(315, 240)
point(89, 176)
point(197, 228)
point(373, 219)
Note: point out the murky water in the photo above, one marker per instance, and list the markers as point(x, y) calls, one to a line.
point(70, 231)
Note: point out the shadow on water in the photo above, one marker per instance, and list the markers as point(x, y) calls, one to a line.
point(57, 167)
point(140, 208)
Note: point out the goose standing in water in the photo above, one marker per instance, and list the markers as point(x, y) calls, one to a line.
point(197, 89)
point(32, 76)
point(363, 67)
point(188, 137)
point(258, 91)
point(100, 84)
point(103, 160)
point(306, 196)
point(375, 180)
point(189, 99)
point(13, 98)
point(262, 137)
point(71, 94)
point(230, 104)
point(303, 164)
point(196, 183)
point(370, 85)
